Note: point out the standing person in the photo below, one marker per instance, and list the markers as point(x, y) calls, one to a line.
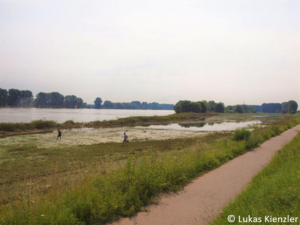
point(125, 139)
point(59, 134)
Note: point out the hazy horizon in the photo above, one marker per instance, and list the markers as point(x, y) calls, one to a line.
point(228, 51)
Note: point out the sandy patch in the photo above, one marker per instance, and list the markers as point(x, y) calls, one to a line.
point(95, 136)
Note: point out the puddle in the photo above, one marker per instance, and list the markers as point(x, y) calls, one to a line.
point(219, 126)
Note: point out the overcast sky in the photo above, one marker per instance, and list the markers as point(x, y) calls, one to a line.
point(231, 51)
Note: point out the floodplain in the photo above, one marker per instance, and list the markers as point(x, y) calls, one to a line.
point(89, 177)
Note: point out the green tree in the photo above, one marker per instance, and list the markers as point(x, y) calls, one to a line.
point(3, 97)
point(14, 97)
point(284, 107)
point(204, 106)
point(98, 102)
point(108, 105)
point(144, 105)
point(43, 100)
point(238, 109)
point(57, 100)
point(211, 106)
point(194, 107)
point(137, 103)
point(70, 101)
point(79, 103)
point(220, 107)
point(292, 106)
point(120, 105)
point(26, 98)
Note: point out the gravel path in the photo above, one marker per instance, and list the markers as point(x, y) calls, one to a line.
point(204, 198)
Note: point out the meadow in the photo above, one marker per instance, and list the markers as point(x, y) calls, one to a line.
point(96, 184)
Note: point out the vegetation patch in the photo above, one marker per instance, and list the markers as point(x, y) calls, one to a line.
point(273, 193)
point(96, 195)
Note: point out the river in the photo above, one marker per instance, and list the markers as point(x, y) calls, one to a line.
point(15, 115)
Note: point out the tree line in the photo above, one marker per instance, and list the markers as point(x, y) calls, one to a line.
point(24, 98)
point(131, 105)
point(211, 106)
point(200, 106)
point(285, 107)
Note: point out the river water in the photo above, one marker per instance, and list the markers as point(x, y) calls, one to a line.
point(15, 115)
point(221, 126)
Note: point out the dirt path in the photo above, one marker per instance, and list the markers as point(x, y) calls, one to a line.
point(204, 198)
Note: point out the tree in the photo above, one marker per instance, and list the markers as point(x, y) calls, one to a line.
point(284, 107)
point(211, 106)
point(26, 98)
point(108, 104)
point(3, 97)
point(292, 106)
point(144, 105)
point(43, 100)
point(70, 101)
point(136, 102)
point(238, 109)
point(79, 103)
point(194, 107)
point(14, 97)
point(220, 107)
point(204, 106)
point(98, 102)
point(270, 107)
point(57, 100)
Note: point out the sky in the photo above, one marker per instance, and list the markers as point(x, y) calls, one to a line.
point(230, 51)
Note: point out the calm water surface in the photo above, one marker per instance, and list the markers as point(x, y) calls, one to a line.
point(78, 115)
point(204, 126)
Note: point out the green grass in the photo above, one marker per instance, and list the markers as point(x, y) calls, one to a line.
point(93, 192)
point(241, 134)
point(36, 124)
point(274, 191)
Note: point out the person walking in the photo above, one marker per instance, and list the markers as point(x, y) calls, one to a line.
point(125, 140)
point(59, 134)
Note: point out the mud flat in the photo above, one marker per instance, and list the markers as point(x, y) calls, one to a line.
point(95, 136)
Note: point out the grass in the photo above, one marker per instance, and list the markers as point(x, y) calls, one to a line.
point(36, 124)
point(85, 189)
point(241, 134)
point(273, 192)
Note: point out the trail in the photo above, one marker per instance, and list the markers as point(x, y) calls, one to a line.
point(203, 199)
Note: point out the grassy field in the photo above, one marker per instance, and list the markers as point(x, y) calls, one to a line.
point(273, 193)
point(94, 184)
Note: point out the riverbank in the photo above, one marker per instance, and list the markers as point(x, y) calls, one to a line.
point(45, 126)
point(94, 184)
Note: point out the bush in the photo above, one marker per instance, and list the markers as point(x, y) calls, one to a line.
point(241, 134)
point(69, 122)
point(42, 124)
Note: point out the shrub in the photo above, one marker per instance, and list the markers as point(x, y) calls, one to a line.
point(241, 134)
point(69, 122)
point(42, 124)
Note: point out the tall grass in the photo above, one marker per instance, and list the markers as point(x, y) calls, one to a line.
point(274, 191)
point(241, 134)
point(36, 124)
point(122, 191)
